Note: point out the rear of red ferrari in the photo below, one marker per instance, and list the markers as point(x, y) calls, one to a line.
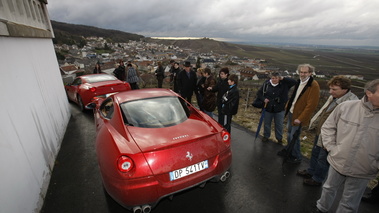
point(153, 163)
point(101, 84)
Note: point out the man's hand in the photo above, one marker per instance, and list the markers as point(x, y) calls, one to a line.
point(297, 121)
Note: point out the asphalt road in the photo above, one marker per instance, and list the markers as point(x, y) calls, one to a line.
point(258, 181)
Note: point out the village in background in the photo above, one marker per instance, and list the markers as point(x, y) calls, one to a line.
point(79, 61)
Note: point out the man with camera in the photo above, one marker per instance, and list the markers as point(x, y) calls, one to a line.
point(274, 93)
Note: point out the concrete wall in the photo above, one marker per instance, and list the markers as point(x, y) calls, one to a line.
point(33, 119)
point(34, 111)
point(34, 115)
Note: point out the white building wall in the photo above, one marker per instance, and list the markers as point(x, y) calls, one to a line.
point(34, 111)
point(33, 119)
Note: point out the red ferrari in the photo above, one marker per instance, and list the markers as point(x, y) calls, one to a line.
point(151, 144)
point(85, 87)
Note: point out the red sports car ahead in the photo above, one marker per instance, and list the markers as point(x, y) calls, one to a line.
point(85, 87)
point(151, 143)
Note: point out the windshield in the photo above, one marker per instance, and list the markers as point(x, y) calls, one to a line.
point(155, 112)
point(99, 78)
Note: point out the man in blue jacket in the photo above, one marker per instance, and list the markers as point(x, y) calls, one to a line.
point(274, 93)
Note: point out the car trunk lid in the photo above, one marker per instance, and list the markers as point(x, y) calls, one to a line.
point(171, 148)
point(109, 87)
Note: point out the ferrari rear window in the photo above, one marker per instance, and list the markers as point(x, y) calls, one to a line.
point(99, 78)
point(155, 112)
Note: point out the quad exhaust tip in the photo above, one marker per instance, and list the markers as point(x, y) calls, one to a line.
point(137, 209)
point(143, 209)
point(225, 176)
point(147, 208)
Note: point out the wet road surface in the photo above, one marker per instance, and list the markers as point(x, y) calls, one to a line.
point(258, 181)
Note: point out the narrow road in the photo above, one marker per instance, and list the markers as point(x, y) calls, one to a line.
point(258, 182)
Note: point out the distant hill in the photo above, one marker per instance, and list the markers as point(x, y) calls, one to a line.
point(72, 33)
point(331, 60)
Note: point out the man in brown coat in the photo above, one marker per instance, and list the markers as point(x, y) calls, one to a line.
point(300, 108)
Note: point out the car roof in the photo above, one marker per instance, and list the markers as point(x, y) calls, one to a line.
point(143, 94)
point(92, 76)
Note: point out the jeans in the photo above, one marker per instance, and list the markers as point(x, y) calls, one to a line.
point(318, 166)
point(228, 123)
point(278, 121)
point(221, 116)
point(134, 85)
point(209, 113)
point(199, 99)
point(296, 153)
point(351, 195)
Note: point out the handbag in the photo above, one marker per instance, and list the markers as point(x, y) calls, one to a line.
point(258, 102)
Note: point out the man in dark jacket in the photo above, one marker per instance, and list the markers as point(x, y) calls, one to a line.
point(174, 74)
point(187, 80)
point(120, 72)
point(221, 88)
point(159, 73)
point(230, 101)
point(274, 93)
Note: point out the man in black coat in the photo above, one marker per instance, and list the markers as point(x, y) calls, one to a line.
point(221, 88)
point(187, 80)
point(230, 101)
point(120, 72)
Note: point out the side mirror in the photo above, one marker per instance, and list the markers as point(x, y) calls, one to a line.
point(90, 106)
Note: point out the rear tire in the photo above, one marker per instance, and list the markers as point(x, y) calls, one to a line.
point(80, 103)
point(68, 98)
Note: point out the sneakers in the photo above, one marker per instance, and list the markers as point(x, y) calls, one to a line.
point(293, 160)
point(264, 139)
point(311, 182)
point(282, 153)
point(303, 173)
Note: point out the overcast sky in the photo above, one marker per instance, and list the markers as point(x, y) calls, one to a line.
point(329, 22)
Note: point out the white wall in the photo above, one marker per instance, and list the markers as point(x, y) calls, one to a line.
point(34, 114)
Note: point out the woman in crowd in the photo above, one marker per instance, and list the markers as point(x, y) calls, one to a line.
point(209, 97)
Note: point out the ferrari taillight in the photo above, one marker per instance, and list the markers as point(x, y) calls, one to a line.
point(125, 164)
point(92, 89)
point(127, 86)
point(225, 136)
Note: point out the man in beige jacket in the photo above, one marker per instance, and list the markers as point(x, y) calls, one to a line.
point(351, 136)
point(339, 90)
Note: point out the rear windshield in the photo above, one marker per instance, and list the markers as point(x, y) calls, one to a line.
point(99, 78)
point(155, 112)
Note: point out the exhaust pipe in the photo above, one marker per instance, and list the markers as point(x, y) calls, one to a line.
point(225, 176)
point(203, 185)
point(146, 208)
point(137, 209)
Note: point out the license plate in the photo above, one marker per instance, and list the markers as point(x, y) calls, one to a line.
point(174, 175)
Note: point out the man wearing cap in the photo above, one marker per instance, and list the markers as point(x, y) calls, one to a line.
point(187, 80)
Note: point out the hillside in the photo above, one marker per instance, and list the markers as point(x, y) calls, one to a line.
point(331, 60)
point(72, 34)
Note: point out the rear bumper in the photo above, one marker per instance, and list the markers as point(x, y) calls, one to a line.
point(151, 189)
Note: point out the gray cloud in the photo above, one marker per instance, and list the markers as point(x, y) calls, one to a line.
point(342, 22)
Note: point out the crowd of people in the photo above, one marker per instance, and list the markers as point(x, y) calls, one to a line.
point(346, 143)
